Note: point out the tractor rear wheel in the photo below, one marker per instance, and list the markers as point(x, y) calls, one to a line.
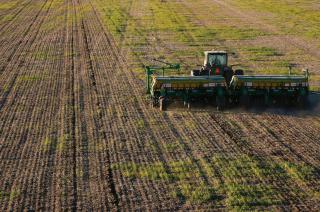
point(268, 100)
point(302, 101)
point(244, 100)
point(221, 102)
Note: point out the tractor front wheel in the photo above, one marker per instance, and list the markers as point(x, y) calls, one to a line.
point(154, 102)
point(162, 103)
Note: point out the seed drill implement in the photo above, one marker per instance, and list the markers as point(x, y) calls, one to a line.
point(219, 82)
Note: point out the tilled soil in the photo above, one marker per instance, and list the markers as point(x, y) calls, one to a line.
point(77, 133)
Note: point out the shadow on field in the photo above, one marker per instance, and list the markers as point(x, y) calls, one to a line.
point(311, 108)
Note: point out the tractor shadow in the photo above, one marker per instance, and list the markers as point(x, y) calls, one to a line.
point(311, 108)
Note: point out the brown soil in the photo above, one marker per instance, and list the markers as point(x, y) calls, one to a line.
point(71, 109)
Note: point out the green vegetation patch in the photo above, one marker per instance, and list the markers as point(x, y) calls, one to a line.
point(172, 146)
point(279, 70)
point(7, 5)
point(250, 181)
point(280, 64)
point(7, 18)
point(183, 174)
point(154, 171)
point(140, 124)
point(115, 15)
point(245, 197)
point(56, 144)
point(239, 33)
point(295, 17)
point(166, 20)
point(11, 195)
point(29, 78)
point(161, 27)
point(194, 194)
point(299, 172)
point(315, 82)
point(55, 22)
point(242, 182)
point(53, 4)
point(5, 88)
point(260, 53)
point(270, 60)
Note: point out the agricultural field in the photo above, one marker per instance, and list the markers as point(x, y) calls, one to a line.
point(77, 131)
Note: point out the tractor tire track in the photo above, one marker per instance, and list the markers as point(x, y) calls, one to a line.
point(99, 127)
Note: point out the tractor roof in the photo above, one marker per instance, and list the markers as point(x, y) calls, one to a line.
point(215, 52)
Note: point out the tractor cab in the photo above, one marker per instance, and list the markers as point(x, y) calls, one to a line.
point(215, 58)
point(215, 64)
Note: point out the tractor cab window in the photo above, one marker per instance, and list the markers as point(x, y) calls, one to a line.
point(217, 59)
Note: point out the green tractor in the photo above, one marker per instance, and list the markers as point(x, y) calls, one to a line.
point(216, 80)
